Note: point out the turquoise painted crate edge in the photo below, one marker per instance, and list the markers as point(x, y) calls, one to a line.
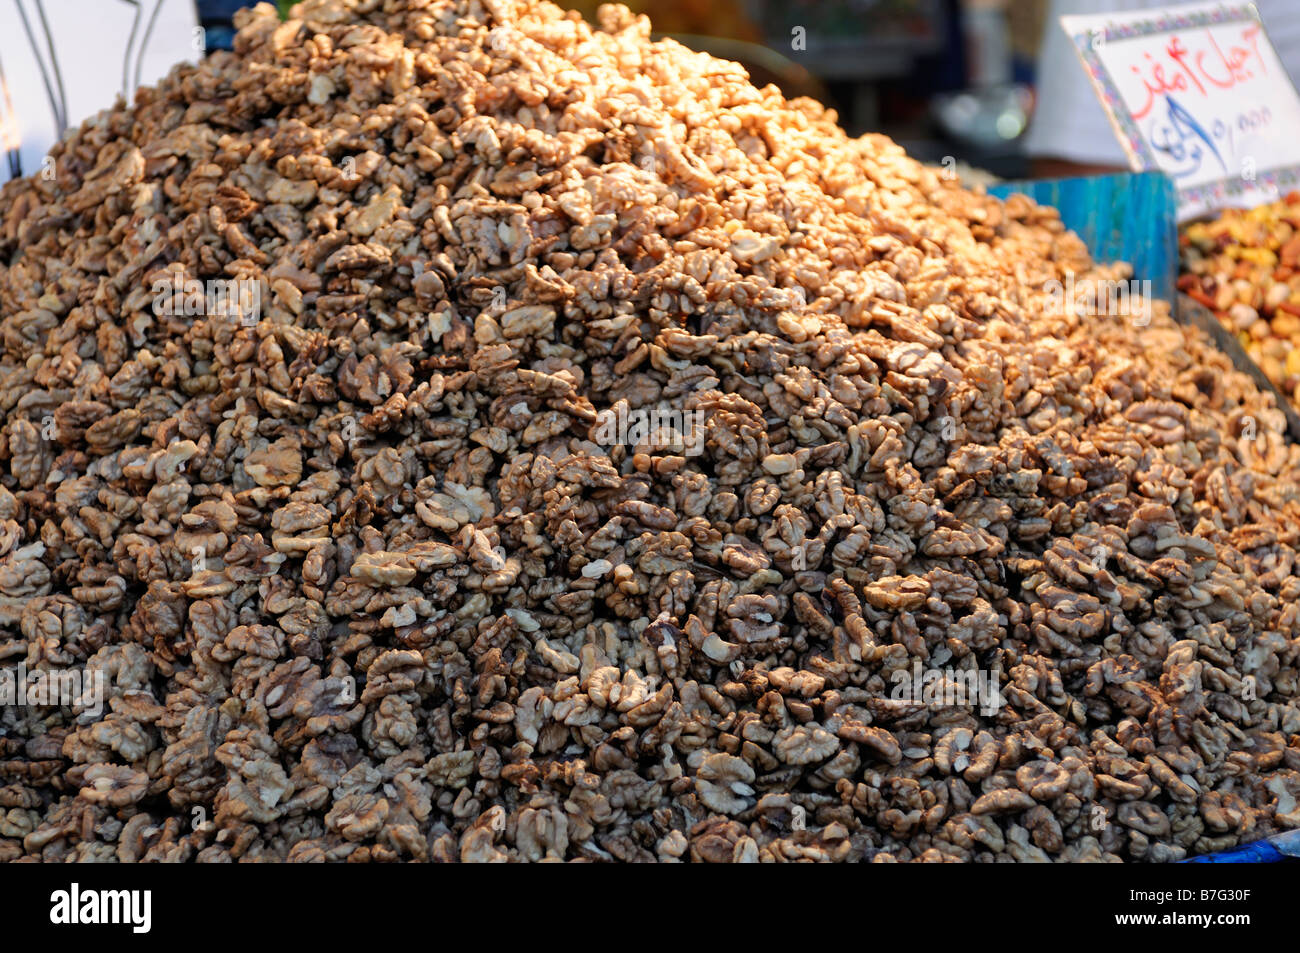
point(1125, 216)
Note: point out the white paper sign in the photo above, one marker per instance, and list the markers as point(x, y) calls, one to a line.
point(62, 61)
point(1198, 92)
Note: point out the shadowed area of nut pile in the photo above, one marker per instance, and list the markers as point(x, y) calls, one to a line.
point(368, 578)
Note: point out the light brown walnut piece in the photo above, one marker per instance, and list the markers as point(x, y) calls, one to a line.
point(723, 783)
point(115, 785)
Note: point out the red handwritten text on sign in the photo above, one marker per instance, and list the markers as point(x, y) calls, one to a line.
point(1195, 63)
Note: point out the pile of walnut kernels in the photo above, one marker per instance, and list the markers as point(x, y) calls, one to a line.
point(362, 584)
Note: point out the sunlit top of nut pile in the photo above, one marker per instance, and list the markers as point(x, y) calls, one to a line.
point(1245, 266)
point(619, 462)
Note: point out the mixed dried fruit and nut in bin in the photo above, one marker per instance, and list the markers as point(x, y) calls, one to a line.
point(436, 615)
point(1244, 265)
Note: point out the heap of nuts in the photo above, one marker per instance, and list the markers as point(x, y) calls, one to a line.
point(446, 431)
point(1245, 267)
